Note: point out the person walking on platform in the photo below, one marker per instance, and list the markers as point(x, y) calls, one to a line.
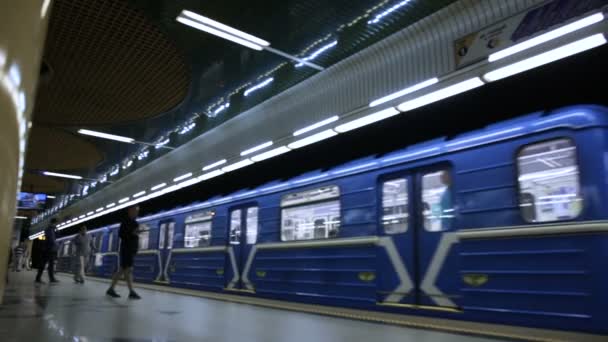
point(83, 247)
point(129, 243)
point(49, 253)
point(18, 260)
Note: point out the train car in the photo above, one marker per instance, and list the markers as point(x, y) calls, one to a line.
point(502, 225)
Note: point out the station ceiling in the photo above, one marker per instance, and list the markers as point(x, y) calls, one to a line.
point(127, 67)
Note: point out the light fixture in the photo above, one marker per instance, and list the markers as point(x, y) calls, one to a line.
point(123, 200)
point(316, 125)
point(99, 209)
point(312, 139)
point(60, 175)
point(404, 92)
point(158, 186)
point(81, 216)
point(212, 165)
point(366, 120)
point(256, 148)
point(269, 154)
point(20, 217)
point(110, 205)
point(318, 52)
point(545, 37)
point(162, 143)
point(90, 213)
point(378, 17)
point(211, 30)
point(182, 177)
point(221, 108)
point(546, 57)
point(237, 165)
point(225, 30)
point(441, 94)
point(106, 136)
point(50, 196)
point(211, 174)
point(141, 193)
point(258, 86)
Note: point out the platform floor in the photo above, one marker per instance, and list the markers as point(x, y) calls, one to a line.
point(82, 313)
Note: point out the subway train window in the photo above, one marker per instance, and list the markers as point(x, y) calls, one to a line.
point(235, 227)
point(198, 229)
point(144, 237)
point(304, 220)
point(252, 225)
point(437, 208)
point(66, 249)
point(549, 187)
point(394, 206)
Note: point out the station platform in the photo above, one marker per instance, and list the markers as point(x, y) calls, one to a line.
point(82, 313)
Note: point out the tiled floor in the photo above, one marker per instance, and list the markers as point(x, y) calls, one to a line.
point(71, 312)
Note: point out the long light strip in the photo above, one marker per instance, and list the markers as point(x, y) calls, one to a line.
point(110, 205)
point(404, 92)
point(237, 165)
point(158, 186)
point(272, 153)
point(106, 136)
point(90, 213)
point(316, 125)
point(318, 52)
point(256, 148)
point(312, 139)
point(258, 86)
point(211, 174)
point(378, 17)
point(51, 197)
point(441, 94)
point(123, 200)
point(61, 175)
point(543, 38)
point(366, 120)
point(225, 28)
point(141, 193)
point(546, 57)
point(20, 217)
point(182, 177)
point(212, 165)
point(99, 210)
point(218, 33)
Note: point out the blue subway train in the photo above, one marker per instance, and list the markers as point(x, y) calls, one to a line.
point(502, 225)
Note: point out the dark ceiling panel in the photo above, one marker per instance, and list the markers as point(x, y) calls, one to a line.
point(41, 184)
point(109, 65)
point(56, 149)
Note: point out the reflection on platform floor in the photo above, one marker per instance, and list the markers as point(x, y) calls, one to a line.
point(82, 313)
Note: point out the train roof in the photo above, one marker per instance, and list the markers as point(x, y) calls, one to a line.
point(573, 117)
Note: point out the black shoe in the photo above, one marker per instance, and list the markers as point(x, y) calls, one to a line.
point(38, 281)
point(54, 281)
point(134, 295)
point(112, 293)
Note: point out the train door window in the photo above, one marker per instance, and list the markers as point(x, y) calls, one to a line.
point(235, 227)
point(252, 225)
point(170, 233)
point(394, 206)
point(144, 236)
point(161, 236)
point(311, 214)
point(437, 209)
point(549, 186)
point(198, 229)
point(66, 249)
point(110, 241)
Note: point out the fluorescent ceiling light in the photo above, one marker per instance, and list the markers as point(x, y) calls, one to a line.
point(49, 196)
point(20, 217)
point(98, 210)
point(110, 205)
point(316, 125)
point(81, 216)
point(543, 38)
point(218, 33)
point(158, 186)
point(441, 94)
point(90, 213)
point(225, 28)
point(404, 92)
point(272, 153)
point(546, 57)
point(123, 200)
point(312, 139)
point(258, 86)
point(378, 17)
point(256, 148)
point(217, 163)
point(237, 165)
point(318, 52)
point(211, 175)
point(141, 193)
point(182, 177)
point(368, 119)
point(61, 175)
point(106, 136)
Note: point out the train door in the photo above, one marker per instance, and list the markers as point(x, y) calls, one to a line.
point(242, 235)
point(436, 276)
point(165, 244)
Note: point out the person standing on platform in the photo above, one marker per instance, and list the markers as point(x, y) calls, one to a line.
point(18, 260)
point(129, 237)
point(83, 244)
point(49, 253)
